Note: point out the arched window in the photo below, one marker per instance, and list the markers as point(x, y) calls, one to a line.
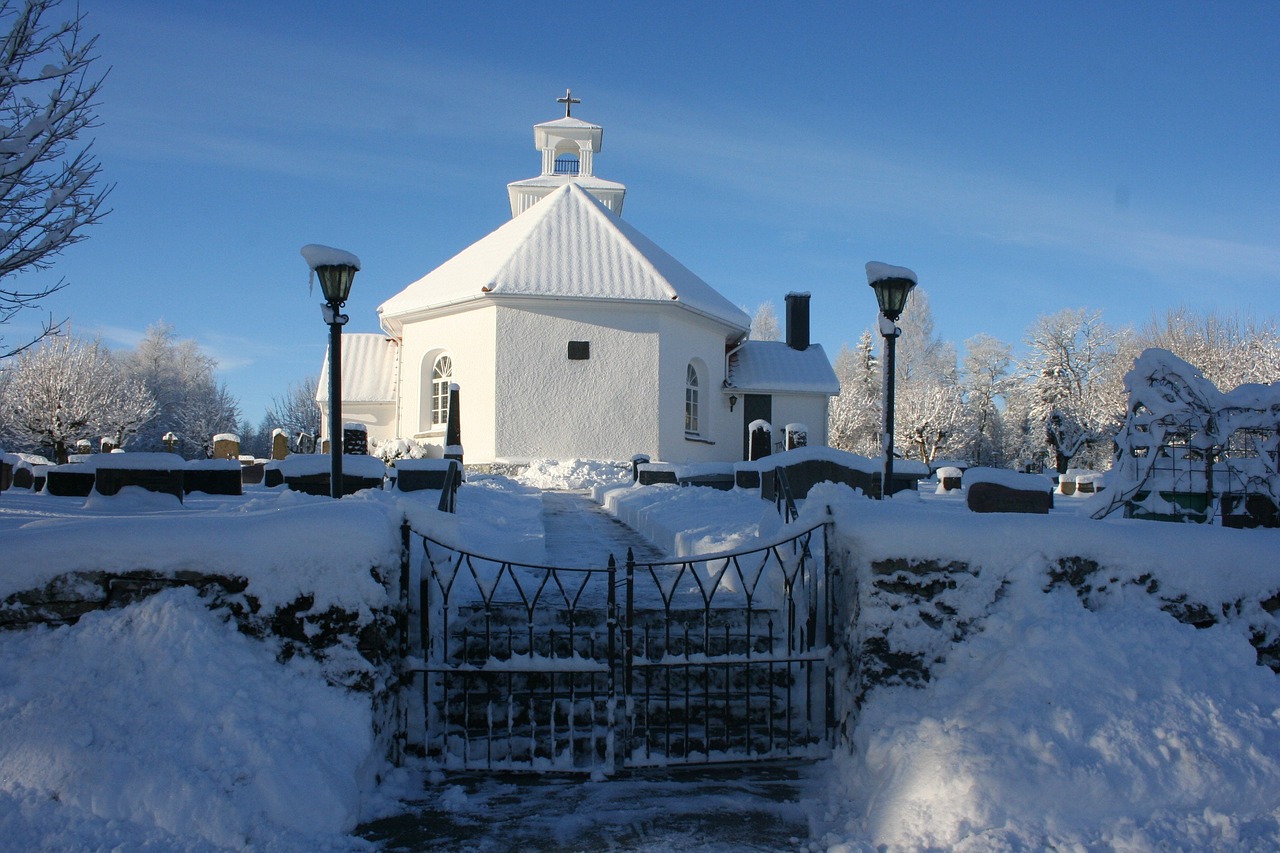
point(691, 420)
point(441, 377)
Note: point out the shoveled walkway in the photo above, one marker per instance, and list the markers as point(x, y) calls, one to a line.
point(580, 533)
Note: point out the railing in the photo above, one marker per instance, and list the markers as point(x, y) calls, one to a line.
point(567, 166)
point(449, 490)
point(783, 500)
point(532, 667)
point(730, 663)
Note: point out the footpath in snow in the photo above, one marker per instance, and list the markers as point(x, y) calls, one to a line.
point(580, 534)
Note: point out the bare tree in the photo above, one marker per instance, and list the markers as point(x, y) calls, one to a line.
point(66, 390)
point(296, 411)
point(49, 190)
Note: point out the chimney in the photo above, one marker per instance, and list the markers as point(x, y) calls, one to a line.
point(798, 321)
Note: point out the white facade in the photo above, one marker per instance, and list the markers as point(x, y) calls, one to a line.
point(572, 335)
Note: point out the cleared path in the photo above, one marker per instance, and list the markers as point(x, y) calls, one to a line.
point(580, 533)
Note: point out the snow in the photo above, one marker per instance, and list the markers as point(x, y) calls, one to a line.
point(1061, 720)
point(568, 245)
point(215, 464)
point(877, 271)
point(318, 256)
point(161, 726)
point(814, 453)
point(307, 464)
point(1008, 479)
point(124, 461)
point(772, 366)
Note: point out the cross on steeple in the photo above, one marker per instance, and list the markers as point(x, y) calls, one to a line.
point(568, 100)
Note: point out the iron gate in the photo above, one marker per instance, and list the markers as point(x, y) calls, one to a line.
point(708, 659)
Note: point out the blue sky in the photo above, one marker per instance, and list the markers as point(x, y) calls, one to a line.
point(1020, 157)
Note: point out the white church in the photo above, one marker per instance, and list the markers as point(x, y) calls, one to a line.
point(571, 335)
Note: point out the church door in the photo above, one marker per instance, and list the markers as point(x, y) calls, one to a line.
point(755, 407)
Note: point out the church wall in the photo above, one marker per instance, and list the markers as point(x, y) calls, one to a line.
point(807, 409)
point(468, 338)
point(688, 338)
point(603, 406)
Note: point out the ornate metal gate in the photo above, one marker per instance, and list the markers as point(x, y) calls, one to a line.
point(709, 659)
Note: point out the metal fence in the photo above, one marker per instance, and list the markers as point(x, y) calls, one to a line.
point(709, 659)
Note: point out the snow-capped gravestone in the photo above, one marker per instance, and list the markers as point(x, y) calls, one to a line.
point(226, 446)
point(355, 439)
point(1189, 452)
point(279, 444)
point(999, 490)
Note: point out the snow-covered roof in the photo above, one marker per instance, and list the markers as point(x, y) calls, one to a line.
point(567, 246)
point(368, 370)
point(569, 121)
point(775, 367)
point(589, 182)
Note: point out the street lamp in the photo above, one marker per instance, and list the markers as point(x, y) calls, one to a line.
point(892, 285)
point(335, 269)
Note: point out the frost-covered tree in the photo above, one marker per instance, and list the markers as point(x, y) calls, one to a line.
point(928, 403)
point(764, 324)
point(67, 389)
point(853, 421)
point(1228, 350)
point(986, 378)
point(49, 189)
point(189, 399)
point(1073, 374)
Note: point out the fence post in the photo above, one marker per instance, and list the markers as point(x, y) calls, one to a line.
point(628, 652)
point(611, 616)
point(400, 738)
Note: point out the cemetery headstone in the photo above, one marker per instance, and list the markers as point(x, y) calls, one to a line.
point(279, 444)
point(761, 439)
point(797, 436)
point(226, 446)
point(355, 439)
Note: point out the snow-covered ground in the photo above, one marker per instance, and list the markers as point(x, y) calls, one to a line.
point(1053, 724)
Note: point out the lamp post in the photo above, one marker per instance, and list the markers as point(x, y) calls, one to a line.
point(170, 439)
point(892, 285)
point(335, 269)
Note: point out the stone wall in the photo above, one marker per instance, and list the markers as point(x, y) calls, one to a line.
point(906, 616)
point(357, 652)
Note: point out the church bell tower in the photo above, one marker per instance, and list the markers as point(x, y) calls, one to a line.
point(568, 147)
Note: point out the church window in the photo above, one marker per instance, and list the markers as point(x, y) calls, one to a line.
point(691, 420)
point(441, 377)
point(567, 164)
